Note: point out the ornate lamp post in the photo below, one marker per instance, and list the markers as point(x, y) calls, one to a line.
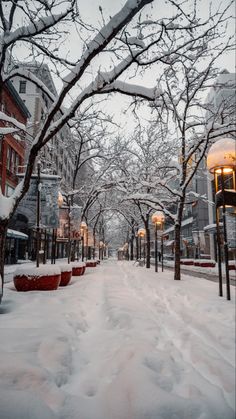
point(38, 213)
point(141, 234)
point(158, 219)
point(221, 161)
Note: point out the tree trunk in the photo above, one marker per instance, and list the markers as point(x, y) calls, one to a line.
point(177, 274)
point(3, 235)
point(148, 244)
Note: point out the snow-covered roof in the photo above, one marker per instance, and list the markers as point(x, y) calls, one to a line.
point(16, 234)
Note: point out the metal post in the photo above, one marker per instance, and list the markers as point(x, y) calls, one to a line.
point(38, 216)
point(45, 248)
point(226, 251)
point(162, 263)
point(69, 228)
point(156, 254)
point(82, 239)
point(87, 255)
point(137, 249)
point(52, 247)
point(219, 254)
point(94, 244)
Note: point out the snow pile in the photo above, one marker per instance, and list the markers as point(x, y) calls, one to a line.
point(78, 264)
point(45, 270)
point(122, 343)
point(66, 267)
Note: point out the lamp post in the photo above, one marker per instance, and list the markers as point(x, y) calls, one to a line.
point(221, 162)
point(158, 219)
point(83, 229)
point(141, 234)
point(39, 185)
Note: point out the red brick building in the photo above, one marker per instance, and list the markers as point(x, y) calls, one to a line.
point(12, 146)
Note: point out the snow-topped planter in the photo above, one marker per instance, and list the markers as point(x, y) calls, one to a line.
point(91, 263)
point(43, 278)
point(66, 273)
point(232, 265)
point(205, 263)
point(187, 261)
point(78, 268)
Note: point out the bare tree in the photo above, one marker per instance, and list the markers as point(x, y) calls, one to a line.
point(148, 42)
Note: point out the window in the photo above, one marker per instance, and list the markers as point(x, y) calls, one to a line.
point(22, 88)
point(9, 158)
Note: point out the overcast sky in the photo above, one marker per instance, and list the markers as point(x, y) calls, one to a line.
point(90, 12)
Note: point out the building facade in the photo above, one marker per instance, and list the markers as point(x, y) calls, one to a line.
point(12, 145)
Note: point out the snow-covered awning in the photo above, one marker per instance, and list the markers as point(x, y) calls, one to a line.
point(211, 228)
point(13, 234)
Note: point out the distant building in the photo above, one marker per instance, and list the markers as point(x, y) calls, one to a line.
point(56, 156)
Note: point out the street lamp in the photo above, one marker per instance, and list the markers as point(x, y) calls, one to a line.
point(221, 162)
point(83, 229)
point(158, 219)
point(141, 234)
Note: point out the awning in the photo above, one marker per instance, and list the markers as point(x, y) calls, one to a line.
point(13, 234)
point(169, 243)
point(211, 228)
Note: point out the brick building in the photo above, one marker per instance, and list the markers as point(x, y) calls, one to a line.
point(12, 145)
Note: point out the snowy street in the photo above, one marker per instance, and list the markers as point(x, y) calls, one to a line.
point(120, 342)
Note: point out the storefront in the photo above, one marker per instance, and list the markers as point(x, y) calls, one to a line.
point(16, 246)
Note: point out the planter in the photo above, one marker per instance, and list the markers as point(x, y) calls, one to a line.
point(44, 278)
point(186, 262)
point(205, 264)
point(78, 268)
point(91, 263)
point(66, 274)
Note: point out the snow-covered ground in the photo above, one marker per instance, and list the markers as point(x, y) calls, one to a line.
point(120, 342)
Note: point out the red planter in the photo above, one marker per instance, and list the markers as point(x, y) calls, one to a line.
point(65, 278)
point(205, 264)
point(186, 262)
point(91, 264)
point(36, 282)
point(78, 270)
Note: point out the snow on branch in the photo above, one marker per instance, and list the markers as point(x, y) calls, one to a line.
point(13, 121)
point(8, 130)
point(133, 90)
point(106, 34)
point(35, 28)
